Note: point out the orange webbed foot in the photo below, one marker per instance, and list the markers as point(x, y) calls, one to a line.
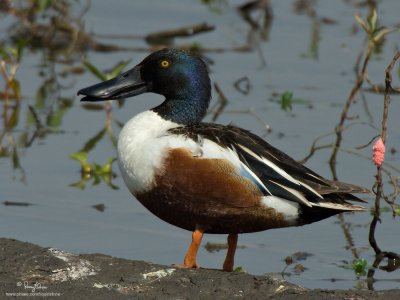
point(190, 257)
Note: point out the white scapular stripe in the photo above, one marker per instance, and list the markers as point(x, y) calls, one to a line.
point(270, 164)
point(311, 190)
point(339, 206)
point(279, 170)
point(297, 194)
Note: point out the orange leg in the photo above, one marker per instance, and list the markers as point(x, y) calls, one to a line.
point(230, 255)
point(190, 257)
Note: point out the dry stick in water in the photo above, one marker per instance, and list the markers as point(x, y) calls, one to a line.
point(378, 182)
point(179, 32)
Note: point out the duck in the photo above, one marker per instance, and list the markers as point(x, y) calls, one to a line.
point(209, 178)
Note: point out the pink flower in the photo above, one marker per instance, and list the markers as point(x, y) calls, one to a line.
point(378, 152)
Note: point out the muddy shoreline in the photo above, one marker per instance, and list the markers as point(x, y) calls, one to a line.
point(52, 273)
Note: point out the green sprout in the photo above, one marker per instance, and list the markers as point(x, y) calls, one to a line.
point(239, 270)
point(286, 101)
point(360, 267)
point(375, 33)
point(93, 171)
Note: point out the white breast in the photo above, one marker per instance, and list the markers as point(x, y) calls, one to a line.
point(143, 143)
point(140, 149)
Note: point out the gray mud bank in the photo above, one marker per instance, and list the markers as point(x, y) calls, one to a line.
point(30, 270)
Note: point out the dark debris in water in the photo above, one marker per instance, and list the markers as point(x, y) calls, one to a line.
point(17, 203)
point(99, 207)
point(215, 247)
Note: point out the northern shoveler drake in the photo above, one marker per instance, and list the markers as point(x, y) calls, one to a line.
point(204, 177)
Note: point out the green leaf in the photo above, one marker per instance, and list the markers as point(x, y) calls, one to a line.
point(91, 143)
point(361, 22)
point(65, 102)
point(43, 93)
point(79, 156)
point(106, 178)
point(16, 88)
point(113, 139)
point(96, 179)
point(372, 21)
point(55, 118)
point(195, 46)
point(107, 168)
point(13, 51)
point(21, 43)
point(13, 119)
point(4, 54)
point(381, 33)
point(97, 168)
point(15, 158)
point(43, 4)
point(79, 184)
point(118, 68)
point(95, 71)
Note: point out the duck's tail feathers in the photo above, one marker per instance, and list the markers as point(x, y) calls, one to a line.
point(344, 188)
point(331, 205)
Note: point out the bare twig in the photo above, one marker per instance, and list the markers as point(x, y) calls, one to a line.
point(179, 32)
point(243, 85)
point(250, 111)
point(367, 144)
point(314, 146)
point(108, 109)
point(38, 122)
point(378, 182)
point(222, 102)
point(246, 9)
point(345, 112)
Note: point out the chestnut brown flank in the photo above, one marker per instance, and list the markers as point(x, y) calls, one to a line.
point(209, 194)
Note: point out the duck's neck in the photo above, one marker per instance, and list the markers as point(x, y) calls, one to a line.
point(187, 107)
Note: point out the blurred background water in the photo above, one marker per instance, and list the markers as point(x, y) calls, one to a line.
point(302, 50)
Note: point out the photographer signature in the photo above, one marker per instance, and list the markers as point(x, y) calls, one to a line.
point(33, 287)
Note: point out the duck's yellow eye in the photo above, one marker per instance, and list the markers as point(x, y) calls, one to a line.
point(164, 63)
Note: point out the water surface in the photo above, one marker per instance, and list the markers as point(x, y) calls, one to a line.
point(317, 71)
